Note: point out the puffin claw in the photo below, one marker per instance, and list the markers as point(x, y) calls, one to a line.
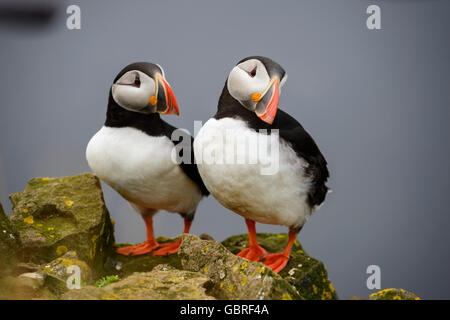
point(253, 253)
point(166, 249)
point(276, 261)
point(140, 249)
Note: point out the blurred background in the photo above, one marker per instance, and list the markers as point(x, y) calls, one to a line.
point(376, 102)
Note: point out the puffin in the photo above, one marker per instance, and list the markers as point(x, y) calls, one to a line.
point(248, 111)
point(134, 153)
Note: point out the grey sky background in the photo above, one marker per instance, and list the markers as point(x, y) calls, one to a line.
point(376, 102)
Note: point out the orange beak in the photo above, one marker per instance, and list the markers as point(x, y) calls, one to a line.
point(267, 107)
point(165, 99)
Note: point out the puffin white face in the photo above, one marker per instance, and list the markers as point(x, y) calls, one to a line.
point(142, 88)
point(245, 79)
point(133, 91)
point(250, 83)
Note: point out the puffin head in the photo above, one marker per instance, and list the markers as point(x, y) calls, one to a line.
point(255, 82)
point(141, 87)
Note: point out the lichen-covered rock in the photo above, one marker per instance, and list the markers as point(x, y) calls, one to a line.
point(58, 271)
point(306, 274)
point(55, 215)
point(393, 294)
point(233, 277)
point(162, 283)
point(356, 298)
point(9, 243)
point(59, 268)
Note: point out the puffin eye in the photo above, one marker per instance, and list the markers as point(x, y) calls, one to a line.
point(253, 72)
point(137, 81)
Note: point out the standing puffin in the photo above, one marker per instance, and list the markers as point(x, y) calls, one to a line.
point(132, 153)
point(248, 108)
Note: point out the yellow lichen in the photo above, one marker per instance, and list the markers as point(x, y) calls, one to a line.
point(281, 236)
point(205, 249)
point(29, 220)
point(382, 292)
point(286, 296)
point(261, 269)
point(315, 290)
point(330, 285)
point(25, 210)
point(94, 246)
point(230, 288)
point(65, 262)
point(326, 295)
point(69, 203)
point(175, 279)
point(47, 179)
point(50, 228)
point(244, 265)
point(60, 250)
point(110, 296)
point(244, 281)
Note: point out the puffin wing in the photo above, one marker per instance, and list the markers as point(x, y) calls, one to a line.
point(190, 169)
point(304, 146)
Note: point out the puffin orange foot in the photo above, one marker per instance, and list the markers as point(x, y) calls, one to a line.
point(143, 248)
point(166, 249)
point(254, 253)
point(276, 261)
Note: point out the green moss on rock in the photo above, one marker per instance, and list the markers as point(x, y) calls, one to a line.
point(54, 215)
point(306, 274)
point(123, 266)
point(162, 283)
point(393, 294)
point(9, 243)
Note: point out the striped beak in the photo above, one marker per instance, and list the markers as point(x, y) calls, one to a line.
point(164, 99)
point(266, 108)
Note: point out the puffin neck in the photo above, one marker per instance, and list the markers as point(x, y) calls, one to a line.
point(118, 117)
point(229, 107)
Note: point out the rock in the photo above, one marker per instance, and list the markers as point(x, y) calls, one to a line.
point(36, 279)
point(59, 270)
point(23, 288)
point(162, 283)
point(205, 236)
point(356, 298)
point(306, 274)
point(55, 215)
point(9, 243)
point(393, 294)
point(232, 277)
